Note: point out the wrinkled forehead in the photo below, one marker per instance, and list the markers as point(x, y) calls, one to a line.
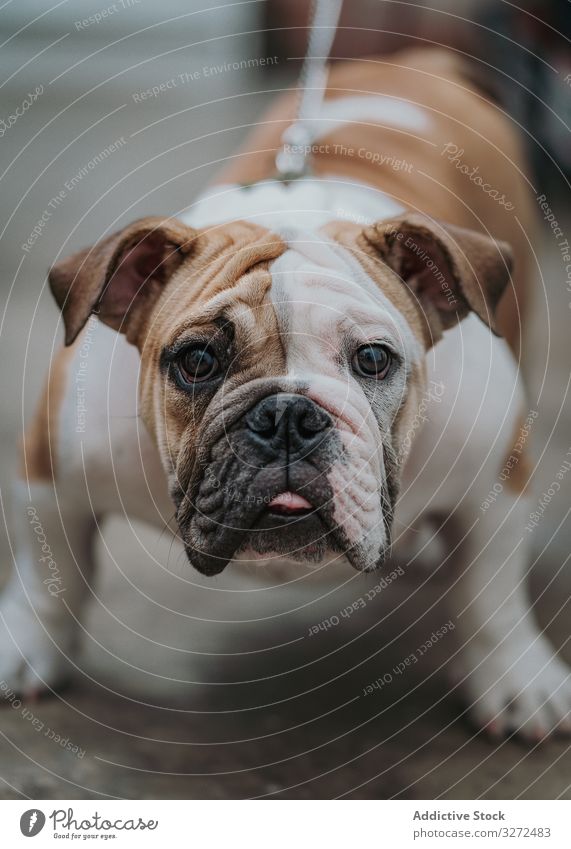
point(301, 289)
point(320, 292)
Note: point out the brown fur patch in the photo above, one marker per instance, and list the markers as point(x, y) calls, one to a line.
point(228, 276)
point(517, 463)
point(38, 446)
point(350, 236)
point(446, 270)
point(233, 259)
point(107, 278)
point(428, 181)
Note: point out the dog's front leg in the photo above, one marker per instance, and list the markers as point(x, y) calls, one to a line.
point(51, 544)
point(508, 669)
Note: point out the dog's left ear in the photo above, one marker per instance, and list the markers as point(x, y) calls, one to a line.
point(119, 277)
point(448, 269)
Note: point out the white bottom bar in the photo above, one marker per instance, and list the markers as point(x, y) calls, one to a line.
point(285, 824)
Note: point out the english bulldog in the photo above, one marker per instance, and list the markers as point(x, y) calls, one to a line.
point(308, 372)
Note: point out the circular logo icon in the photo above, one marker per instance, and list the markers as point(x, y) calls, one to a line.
point(32, 822)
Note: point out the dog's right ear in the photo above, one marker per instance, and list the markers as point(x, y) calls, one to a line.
point(449, 270)
point(120, 277)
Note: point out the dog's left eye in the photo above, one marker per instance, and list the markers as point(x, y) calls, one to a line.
point(372, 361)
point(198, 363)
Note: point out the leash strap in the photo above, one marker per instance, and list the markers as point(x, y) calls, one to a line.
point(292, 160)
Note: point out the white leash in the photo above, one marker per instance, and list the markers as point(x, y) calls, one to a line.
point(292, 160)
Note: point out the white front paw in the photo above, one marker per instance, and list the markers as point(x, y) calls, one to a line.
point(519, 687)
point(31, 662)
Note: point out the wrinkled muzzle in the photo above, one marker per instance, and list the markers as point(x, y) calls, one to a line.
point(269, 487)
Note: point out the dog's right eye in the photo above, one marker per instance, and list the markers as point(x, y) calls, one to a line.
point(372, 361)
point(198, 363)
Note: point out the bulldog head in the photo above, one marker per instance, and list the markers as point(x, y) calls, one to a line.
point(280, 371)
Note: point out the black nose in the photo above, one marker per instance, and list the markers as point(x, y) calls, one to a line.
point(290, 421)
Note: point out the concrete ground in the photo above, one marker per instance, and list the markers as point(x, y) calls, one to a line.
point(245, 704)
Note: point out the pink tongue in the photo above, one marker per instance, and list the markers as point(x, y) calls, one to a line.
point(290, 501)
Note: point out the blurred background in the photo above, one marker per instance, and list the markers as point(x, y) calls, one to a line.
point(166, 705)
